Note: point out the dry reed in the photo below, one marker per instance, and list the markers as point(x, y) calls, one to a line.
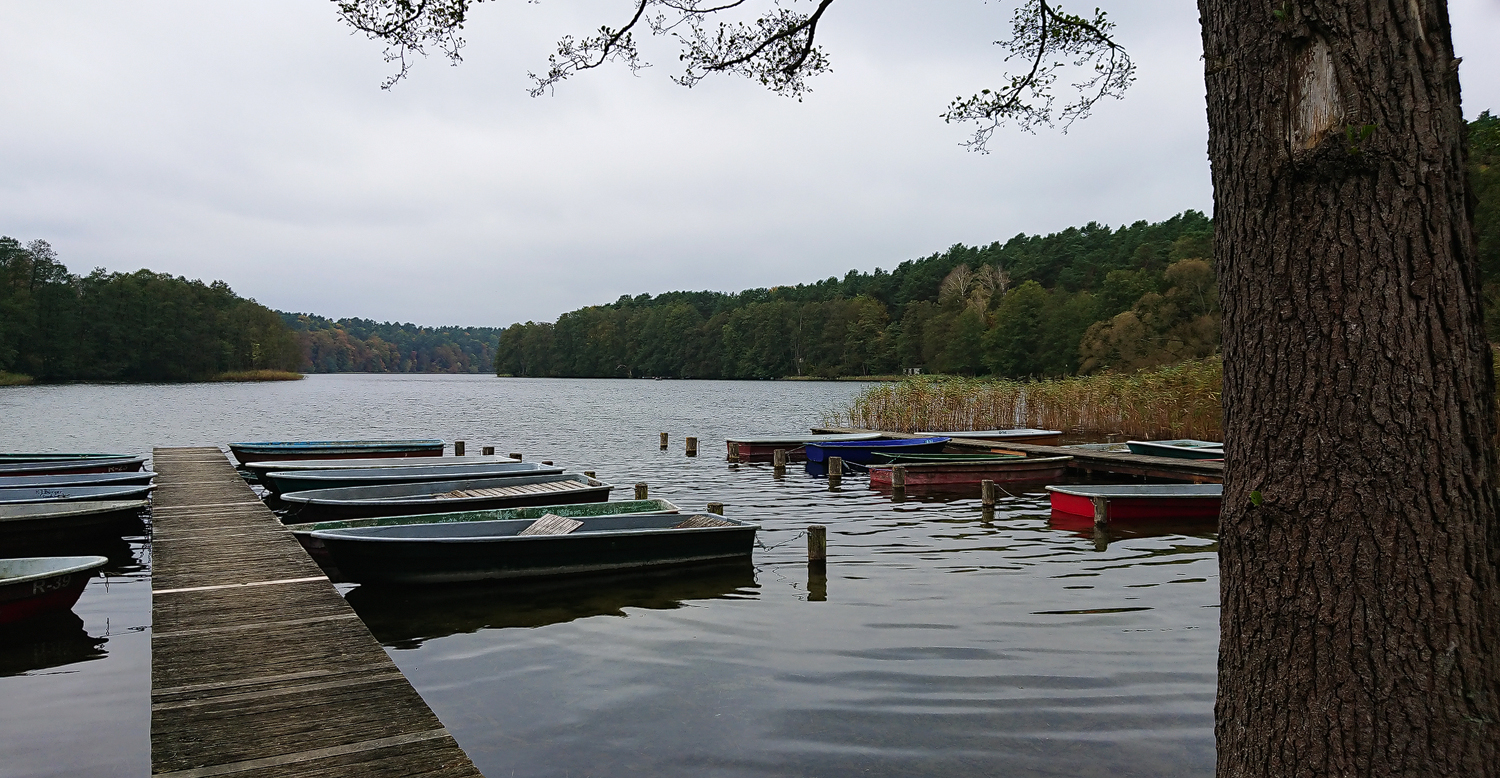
point(14, 379)
point(258, 375)
point(1178, 401)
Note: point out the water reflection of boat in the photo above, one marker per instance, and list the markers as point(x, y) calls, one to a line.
point(1121, 529)
point(47, 641)
point(404, 617)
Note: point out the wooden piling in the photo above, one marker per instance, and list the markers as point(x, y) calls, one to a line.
point(259, 668)
point(716, 507)
point(590, 474)
point(488, 451)
point(547, 462)
point(641, 491)
point(778, 461)
point(835, 471)
point(1101, 511)
point(898, 477)
point(817, 543)
point(514, 456)
point(458, 448)
point(988, 494)
point(664, 441)
point(692, 446)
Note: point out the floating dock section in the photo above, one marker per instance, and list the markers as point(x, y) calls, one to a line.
point(258, 666)
point(1198, 471)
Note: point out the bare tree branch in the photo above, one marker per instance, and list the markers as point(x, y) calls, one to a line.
point(1050, 40)
point(779, 49)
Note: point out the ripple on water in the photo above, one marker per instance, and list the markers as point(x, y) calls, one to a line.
point(934, 642)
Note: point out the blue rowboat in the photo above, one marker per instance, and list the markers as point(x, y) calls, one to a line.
point(1182, 448)
point(280, 481)
point(245, 453)
point(486, 550)
point(73, 493)
point(314, 547)
point(1035, 437)
point(359, 502)
point(762, 449)
point(120, 464)
point(76, 479)
point(863, 451)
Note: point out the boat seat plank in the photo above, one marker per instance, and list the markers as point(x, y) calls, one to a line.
point(551, 525)
point(702, 520)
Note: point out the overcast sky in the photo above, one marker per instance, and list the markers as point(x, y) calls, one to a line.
point(249, 141)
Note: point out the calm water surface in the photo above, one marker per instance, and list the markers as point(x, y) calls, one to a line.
point(936, 644)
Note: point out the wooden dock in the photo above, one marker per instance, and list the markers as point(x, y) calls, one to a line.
point(1198, 471)
point(258, 666)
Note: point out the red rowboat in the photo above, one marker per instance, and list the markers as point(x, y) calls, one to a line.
point(30, 586)
point(970, 473)
point(1148, 501)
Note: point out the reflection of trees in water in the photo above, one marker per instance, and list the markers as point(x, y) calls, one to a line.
point(48, 641)
point(404, 617)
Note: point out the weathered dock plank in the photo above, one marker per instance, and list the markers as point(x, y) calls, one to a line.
point(1194, 470)
point(259, 669)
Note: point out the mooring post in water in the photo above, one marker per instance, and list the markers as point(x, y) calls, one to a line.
point(817, 544)
point(640, 490)
point(1101, 511)
point(547, 462)
point(988, 494)
point(488, 451)
point(590, 474)
point(716, 507)
point(898, 477)
point(835, 471)
point(1101, 538)
point(692, 446)
point(664, 440)
point(734, 452)
point(514, 456)
point(778, 461)
point(458, 448)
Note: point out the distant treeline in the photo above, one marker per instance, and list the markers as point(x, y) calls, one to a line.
point(366, 346)
point(1086, 298)
point(1083, 300)
point(141, 326)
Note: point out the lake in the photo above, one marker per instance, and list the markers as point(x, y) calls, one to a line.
point(938, 643)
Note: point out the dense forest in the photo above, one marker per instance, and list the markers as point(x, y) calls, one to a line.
point(141, 326)
point(365, 346)
point(1086, 299)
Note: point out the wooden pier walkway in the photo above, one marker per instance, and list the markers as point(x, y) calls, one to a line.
point(1197, 471)
point(258, 667)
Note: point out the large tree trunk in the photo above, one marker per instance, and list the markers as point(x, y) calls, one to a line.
point(1359, 538)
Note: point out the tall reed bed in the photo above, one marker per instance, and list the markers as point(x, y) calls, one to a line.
point(1179, 401)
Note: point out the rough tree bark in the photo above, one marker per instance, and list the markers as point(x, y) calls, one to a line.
point(1359, 538)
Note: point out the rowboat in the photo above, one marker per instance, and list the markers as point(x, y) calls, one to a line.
point(863, 452)
point(1182, 448)
point(76, 479)
point(762, 449)
point(888, 458)
point(121, 464)
point(526, 548)
point(63, 521)
point(245, 453)
point(31, 586)
point(13, 458)
point(259, 469)
point(1140, 501)
point(1017, 435)
point(972, 472)
point(442, 496)
point(72, 493)
point(279, 481)
point(303, 532)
